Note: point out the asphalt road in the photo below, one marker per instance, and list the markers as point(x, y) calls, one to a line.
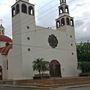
point(85, 87)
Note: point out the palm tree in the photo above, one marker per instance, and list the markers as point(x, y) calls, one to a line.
point(37, 65)
point(40, 65)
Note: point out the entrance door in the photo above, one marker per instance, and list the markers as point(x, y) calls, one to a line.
point(0, 73)
point(55, 68)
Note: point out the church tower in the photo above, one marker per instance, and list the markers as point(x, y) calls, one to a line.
point(23, 22)
point(65, 24)
point(1, 30)
point(64, 17)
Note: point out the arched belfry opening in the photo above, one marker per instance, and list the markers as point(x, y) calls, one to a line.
point(66, 9)
point(62, 22)
point(71, 22)
point(60, 10)
point(24, 8)
point(13, 12)
point(17, 9)
point(68, 21)
point(55, 68)
point(58, 24)
point(31, 10)
point(0, 72)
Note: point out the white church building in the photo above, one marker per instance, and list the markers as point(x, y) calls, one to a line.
point(31, 42)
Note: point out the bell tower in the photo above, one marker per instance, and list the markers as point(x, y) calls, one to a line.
point(64, 18)
point(2, 30)
point(23, 23)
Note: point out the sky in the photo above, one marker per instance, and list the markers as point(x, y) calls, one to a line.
point(47, 11)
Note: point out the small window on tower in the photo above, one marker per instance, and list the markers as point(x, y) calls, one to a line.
point(24, 8)
point(70, 36)
point(27, 27)
point(29, 49)
point(72, 53)
point(71, 44)
point(28, 38)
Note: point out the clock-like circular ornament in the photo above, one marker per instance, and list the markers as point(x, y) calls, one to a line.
point(52, 40)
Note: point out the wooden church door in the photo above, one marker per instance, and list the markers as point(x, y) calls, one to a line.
point(55, 68)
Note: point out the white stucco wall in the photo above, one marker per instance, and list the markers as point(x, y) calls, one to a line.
point(20, 59)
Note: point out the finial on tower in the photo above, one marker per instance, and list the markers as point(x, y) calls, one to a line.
point(62, 1)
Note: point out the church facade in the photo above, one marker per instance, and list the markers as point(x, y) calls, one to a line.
point(31, 42)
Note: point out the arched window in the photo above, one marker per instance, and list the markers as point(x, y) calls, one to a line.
point(71, 22)
point(13, 11)
point(66, 9)
point(31, 10)
point(17, 9)
point(68, 21)
point(60, 10)
point(24, 8)
point(57, 24)
point(62, 21)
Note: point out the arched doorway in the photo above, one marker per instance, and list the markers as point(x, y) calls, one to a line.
point(0, 73)
point(55, 68)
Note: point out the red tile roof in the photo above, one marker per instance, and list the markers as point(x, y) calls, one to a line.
point(5, 50)
point(5, 38)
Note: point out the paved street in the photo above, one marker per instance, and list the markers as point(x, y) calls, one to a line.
point(20, 88)
point(85, 87)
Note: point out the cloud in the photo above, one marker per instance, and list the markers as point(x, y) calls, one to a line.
point(47, 11)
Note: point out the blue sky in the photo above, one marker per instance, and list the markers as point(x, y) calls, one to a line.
point(47, 10)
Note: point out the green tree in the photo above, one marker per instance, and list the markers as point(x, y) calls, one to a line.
point(40, 65)
point(83, 52)
point(83, 55)
point(85, 67)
